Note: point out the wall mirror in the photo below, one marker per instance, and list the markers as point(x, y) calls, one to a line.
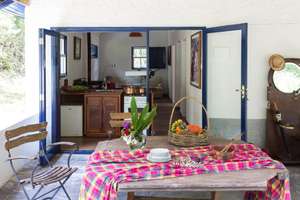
point(287, 80)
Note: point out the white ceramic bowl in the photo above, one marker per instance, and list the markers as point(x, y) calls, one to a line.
point(160, 153)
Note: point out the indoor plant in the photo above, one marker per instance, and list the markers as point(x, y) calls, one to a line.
point(132, 132)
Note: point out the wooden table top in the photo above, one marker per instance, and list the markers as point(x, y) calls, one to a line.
point(244, 180)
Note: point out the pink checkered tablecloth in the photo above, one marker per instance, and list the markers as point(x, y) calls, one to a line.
point(105, 169)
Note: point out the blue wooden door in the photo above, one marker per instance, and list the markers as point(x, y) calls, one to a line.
point(224, 91)
point(49, 47)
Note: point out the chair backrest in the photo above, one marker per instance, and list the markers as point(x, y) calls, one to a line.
point(25, 134)
point(117, 119)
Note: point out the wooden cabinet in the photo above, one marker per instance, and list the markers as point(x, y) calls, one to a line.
point(110, 104)
point(93, 109)
point(98, 106)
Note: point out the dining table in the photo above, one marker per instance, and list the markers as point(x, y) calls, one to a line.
point(243, 180)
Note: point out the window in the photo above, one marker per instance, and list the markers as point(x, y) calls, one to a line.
point(63, 56)
point(139, 57)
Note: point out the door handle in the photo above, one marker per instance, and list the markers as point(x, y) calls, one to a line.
point(244, 92)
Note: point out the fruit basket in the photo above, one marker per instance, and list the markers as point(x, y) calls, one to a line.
point(181, 134)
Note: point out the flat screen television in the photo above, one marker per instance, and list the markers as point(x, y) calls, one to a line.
point(157, 57)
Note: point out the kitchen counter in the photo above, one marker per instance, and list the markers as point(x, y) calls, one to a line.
point(77, 98)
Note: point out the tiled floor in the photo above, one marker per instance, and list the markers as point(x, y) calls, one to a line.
point(10, 191)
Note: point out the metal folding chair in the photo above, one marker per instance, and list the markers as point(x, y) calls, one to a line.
point(45, 177)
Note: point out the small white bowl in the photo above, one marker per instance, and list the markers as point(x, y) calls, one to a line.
point(160, 153)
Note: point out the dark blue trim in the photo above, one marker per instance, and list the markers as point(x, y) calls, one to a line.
point(233, 27)
point(244, 81)
point(82, 151)
point(244, 59)
point(13, 7)
point(54, 90)
point(5, 3)
point(121, 29)
point(204, 78)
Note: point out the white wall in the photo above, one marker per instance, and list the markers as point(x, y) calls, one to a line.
point(274, 26)
point(115, 55)
point(76, 68)
point(24, 150)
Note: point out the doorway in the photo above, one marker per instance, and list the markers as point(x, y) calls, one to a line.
point(225, 80)
point(145, 30)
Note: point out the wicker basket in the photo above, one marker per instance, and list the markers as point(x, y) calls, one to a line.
point(188, 139)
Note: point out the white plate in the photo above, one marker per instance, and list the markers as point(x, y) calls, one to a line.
point(167, 159)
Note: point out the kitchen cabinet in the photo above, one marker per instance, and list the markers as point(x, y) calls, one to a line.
point(98, 106)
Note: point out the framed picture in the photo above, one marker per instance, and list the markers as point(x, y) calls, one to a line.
point(169, 51)
point(94, 51)
point(196, 59)
point(77, 48)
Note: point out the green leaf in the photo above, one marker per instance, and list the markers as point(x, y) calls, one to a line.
point(134, 112)
point(146, 120)
point(142, 115)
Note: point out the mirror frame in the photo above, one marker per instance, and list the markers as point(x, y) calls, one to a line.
point(271, 73)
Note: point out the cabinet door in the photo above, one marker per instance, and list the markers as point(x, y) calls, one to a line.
point(110, 104)
point(93, 115)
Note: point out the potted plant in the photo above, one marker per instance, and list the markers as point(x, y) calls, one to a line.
point(132, 132)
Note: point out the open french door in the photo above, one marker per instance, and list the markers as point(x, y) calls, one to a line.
point(49, 47)
point(225, 80)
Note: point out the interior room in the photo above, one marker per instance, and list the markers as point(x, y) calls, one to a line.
point(149, 100)
point(111, 62)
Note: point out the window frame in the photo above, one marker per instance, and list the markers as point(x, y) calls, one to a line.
point(133, 57)
point(65, 54)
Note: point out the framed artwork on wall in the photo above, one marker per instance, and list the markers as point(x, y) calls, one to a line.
point(77, 48)
point(169, 53)
point(94, 51)
point(196, 59)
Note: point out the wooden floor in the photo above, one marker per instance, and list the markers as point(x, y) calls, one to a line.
point(164, 109)
point(85, 143)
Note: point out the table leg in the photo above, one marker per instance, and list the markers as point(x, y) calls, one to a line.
point(130, 196)
point(215, 196)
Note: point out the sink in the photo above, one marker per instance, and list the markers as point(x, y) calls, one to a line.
point(103, 90)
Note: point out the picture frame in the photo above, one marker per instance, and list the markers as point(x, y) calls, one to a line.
point(169, 54)
point(94, 51)
point(77, 48)
point(196, 59)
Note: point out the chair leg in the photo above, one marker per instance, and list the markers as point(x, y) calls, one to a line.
point(39, 190)
point(25, 192)
point(64, 189)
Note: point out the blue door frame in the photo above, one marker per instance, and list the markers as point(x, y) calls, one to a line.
point(147, 30)
point(55, 70)
point(244, 60)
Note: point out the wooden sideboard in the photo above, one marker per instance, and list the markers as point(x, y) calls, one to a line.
point(97, 106)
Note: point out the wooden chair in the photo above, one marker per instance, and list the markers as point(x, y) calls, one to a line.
point(116, 121)
point(43, 178)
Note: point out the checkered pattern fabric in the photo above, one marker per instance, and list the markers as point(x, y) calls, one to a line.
point(105, 169)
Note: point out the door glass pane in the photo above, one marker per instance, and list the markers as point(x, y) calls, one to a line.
point(224, 83)
point(48, 86)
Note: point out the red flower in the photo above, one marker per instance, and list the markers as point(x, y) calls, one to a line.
point(126, 132)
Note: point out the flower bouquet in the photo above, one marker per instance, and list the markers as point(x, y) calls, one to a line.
point(132, 132)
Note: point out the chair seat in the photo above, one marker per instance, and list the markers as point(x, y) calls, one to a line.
point(51, 175)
